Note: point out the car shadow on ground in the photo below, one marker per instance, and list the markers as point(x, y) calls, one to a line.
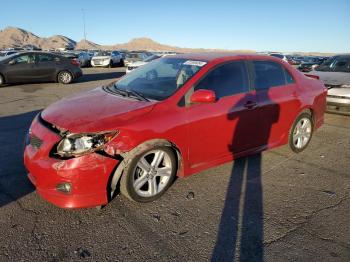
point(100, 76)
point(241, 230)
point(14, 183)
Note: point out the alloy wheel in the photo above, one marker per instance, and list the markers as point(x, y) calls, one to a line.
point(152, 173)
point(302, 133)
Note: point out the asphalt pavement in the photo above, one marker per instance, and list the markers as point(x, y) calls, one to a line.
point(275, 206)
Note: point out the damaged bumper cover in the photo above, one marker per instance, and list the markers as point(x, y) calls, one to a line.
point(87, 175)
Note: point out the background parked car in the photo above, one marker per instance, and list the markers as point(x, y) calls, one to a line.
point(137, 64)
point(281, 56)
point(309, 63)
point(132, 57)
point(84, 59)
point(107, 59)
point(7, 53)
point(27, 67)
point(335, 73)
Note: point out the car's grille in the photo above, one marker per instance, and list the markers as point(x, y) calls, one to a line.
point(35, 141)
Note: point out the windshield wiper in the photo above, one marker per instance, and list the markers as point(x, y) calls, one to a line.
point(138, 95)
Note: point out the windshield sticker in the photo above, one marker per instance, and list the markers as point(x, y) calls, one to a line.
point(195, 63)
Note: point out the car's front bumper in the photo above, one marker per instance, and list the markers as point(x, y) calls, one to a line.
point(88, 174)
point(100, 63)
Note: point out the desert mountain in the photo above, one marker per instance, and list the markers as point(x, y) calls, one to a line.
point(16, 37)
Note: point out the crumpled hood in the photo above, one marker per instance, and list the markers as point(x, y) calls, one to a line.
point(333, 78)
point(95, 111)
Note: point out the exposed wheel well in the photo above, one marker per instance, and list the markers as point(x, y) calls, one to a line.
point(125, 158)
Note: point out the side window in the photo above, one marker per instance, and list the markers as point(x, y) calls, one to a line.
point(268, 74)
point(289, 78)
point(45, 58)
point(226, 80)
point(24, 59)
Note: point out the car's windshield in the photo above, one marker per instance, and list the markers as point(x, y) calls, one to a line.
point(2, 58)
point(102, 53)
point(160, 78)
point(151, 58)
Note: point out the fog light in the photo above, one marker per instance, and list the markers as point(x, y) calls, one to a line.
point(64, 187)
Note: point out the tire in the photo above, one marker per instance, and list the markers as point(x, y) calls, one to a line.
point(140, 185)
point(2, 80)
point(64, 77)
point(301, 132)
point(110, 64)
point(121, 63)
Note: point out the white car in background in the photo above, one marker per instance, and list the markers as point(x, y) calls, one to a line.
point(335, 73)
point(137, 64)
point(107, 59)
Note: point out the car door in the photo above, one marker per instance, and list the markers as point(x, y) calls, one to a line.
point(46, 66)
point(21, 69)
point(226, 127)
point(278, 101)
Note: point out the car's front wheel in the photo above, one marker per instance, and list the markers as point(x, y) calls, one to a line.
point(64, 77)
point(149, 175)
point(301, 132)
point(111, 64)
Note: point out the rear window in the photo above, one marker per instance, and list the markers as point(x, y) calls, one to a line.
point(268, 74)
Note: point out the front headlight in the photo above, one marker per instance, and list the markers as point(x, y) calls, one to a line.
point(73, 145)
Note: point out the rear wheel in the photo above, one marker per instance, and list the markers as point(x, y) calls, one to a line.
point(64, 77)
point(110, 64)
point(149, 175)
point(301, 132)
point(121, 63)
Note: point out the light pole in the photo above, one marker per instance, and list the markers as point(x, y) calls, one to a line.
point(83, 11)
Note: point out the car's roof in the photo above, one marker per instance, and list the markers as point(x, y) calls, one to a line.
point(209, 56)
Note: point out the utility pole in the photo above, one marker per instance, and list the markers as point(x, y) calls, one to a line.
point(83, 11)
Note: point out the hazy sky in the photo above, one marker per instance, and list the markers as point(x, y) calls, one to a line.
point(294, 25)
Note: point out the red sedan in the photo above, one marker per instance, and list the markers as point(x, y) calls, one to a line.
point(172, 117)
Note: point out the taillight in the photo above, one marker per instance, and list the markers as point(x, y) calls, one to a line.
point(312, 76)
point(75, 62)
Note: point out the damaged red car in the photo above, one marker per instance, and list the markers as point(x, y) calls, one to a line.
point(172, 117)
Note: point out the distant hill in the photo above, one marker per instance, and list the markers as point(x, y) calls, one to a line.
point(16, 37)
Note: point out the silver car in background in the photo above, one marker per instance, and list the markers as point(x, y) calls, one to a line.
point(335, 73)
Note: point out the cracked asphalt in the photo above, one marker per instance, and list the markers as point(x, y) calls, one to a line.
point(277, 206)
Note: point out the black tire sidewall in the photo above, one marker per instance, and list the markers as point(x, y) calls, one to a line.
point(127, 178)
point(291, 144)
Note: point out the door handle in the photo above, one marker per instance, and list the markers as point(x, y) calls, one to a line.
point(250, 105)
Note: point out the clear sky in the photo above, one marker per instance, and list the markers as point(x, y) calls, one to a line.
point(283, 25)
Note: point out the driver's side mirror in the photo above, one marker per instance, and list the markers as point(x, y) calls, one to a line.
point(203, 96)
point(12, 62)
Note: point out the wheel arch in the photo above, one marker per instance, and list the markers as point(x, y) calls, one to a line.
point(126, 157)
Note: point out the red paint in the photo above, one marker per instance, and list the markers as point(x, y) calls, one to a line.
point(202, 132)
point(203, 96)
